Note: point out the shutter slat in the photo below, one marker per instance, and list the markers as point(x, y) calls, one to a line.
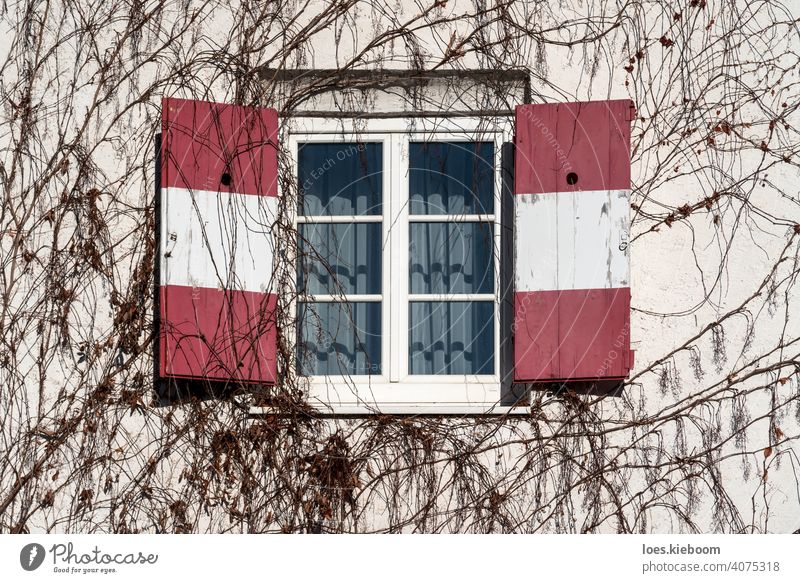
point(572, 285)
point(218, 201)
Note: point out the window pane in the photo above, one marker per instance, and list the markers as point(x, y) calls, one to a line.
point(339, 338)
point(451, 258)
point(451, 338)
point(451, 178)
point(340, 179)
point(342, 258)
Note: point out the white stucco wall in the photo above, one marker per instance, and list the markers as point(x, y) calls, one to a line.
point(688, 272)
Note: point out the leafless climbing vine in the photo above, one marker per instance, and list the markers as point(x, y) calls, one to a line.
point(705, 435)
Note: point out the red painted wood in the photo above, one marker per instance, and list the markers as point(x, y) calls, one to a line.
point(589, 139)
point(202, 141)
point(572, 334)
point(209, 333)
point(218, 335)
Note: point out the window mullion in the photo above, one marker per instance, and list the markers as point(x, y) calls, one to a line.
point(398, 244)
point(498, 231)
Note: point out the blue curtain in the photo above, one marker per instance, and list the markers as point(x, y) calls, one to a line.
point(340, 179)
point(451, 337)
point(340, 258)
point(342, 337)
point(448, 338)
point(451, 258)
point(451, 178)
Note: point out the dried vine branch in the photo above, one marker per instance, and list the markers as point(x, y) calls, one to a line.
point(705, 436)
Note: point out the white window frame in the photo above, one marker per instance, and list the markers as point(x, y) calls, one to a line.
point(395, 391)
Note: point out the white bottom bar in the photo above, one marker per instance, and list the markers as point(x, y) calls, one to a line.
point(405, 409)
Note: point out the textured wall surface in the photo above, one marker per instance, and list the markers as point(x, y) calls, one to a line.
point(705, 436)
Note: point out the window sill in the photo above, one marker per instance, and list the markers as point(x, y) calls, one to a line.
point(405, 409)
point(473, 395)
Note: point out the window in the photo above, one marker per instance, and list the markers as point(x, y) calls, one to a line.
point(428, 282)
point(398, 266)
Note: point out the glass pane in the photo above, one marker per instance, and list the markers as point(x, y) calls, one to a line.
point(339, 338)
point(451, 178)
point(342, 258)
point(340, 179)
point(451, 258)
point(451, 338)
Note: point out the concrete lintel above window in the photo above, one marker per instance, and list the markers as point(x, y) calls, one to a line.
point(391, 93)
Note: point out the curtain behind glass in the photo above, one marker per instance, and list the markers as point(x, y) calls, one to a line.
point(451, 178)
point(448, 338)
point(451, 258)
point(340, 337)
point(340, 179)
point(340, 258)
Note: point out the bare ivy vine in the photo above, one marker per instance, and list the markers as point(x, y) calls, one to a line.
point(711, 410)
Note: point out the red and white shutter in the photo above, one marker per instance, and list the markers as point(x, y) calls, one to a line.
point(218, 201)
point(571, 271)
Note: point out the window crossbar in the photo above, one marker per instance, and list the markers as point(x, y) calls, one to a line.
point(341, 219)
point(451, 297)
point(320, 298)
point(451, 218)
